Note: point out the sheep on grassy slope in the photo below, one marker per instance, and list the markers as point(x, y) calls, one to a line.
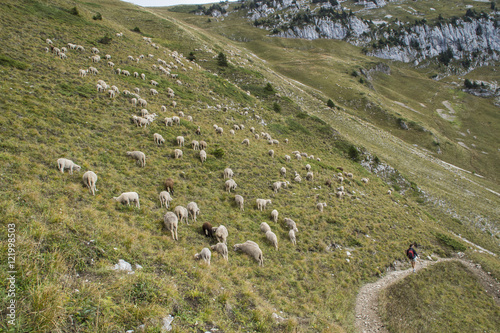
point(320, 206)
point(291, 234)
point(364, 180)
point(169, 185)
point(182, 214)
point(264, 227)
point(283, 172)
point(277, 186)
point(221, 249)
point(203, 145)
point(64, 163)
point(271, 237)
point(274, 215)
point(171, 222)
point(245, 142)
point(176, 120)
point(203, 156)
point(230, 185)
point(207, 229)
point(261, 203)
point(309, 176)
point(308, 167)
point(195, 144)
point(128, 197)
point(177, 153)
point(139, 156)
point(239, 201)
point(158, 139)
point(220, 234)
point(193, 210)
point(165, 199)
point(228, 173)
point(291, 224)
point(271, 153)
point(89, 179)
point(204, 254)
point(252, 249)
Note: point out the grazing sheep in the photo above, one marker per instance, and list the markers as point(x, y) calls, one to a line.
point(286, 141)
point(144, 112)
point(264, 227)
point(182, 214)
point(195, 144)
point(271, 153)
point(328, 183)
point(168, 121)
point(153, 92)
point(193, 210)
point(232, 133)
point(261, 203)
point(169, 185)
point(291, 234)
point(364, 180)
point(83, 72)
point(89, 179)
point(274, 215)
point(207, 229)
point(277, 186)
point(283, 172)
point(389, 192)
point(176, 120)
point(133, 101)
point(220, 234)
point(349, 175)
point(177, 153)
point(171, 222)
point(198, 131)
point(203, 145)
point(308, 167)
point(298, 157)
point(221, 249)
point(320, 206)
point(309, 176)
point(228, 173)
point(340, 179)
point(165, 199)
point(203, 156)
point(139, 156)
point(219, 130)
point(63, 163)
point(239, 201)
point(128, 197)
point(271, 236)
point(204, 254)
point(230, 185)
point(163, 108)
point(340, 194)
point(142, 102)
point(189, 118)
point(288, 158)
point(256, 136)
point(297, 178)
point(291, 224)
point(252, 249)
point(245, 142)
point(158, 139)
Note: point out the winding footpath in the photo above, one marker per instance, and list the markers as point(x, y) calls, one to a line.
point(367, 314)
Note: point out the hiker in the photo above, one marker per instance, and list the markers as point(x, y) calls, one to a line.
point(412, 255)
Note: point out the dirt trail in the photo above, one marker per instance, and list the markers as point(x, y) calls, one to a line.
point(367, 314)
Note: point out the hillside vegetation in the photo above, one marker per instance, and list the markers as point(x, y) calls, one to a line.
point(68, 241)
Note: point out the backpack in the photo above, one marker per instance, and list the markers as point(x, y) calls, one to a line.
point(410, 253)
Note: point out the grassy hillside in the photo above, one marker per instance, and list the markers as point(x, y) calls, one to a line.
point(67, 241)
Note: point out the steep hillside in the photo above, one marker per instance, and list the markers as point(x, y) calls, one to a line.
point(63, 243)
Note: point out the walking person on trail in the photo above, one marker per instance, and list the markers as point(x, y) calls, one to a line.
point(412, 255)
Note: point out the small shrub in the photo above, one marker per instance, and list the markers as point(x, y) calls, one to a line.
point(269, 87)
point(191, 56)
point(354, 73)
point(330, 104)
point(276, 107)
point(218, 152)
point(105, 40)
point(7, 61)
point(74, 11)
point(97, 16)
point(451, 242)
point(222, 60)
point(354, 153)
point(136, 29)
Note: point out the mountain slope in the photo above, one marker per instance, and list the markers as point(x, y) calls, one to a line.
point(67, 241)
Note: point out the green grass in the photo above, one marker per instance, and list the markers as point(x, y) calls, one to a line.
point(67, 240)
point(439, 299)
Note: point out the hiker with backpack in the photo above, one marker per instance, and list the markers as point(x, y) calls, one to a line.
point(412, 255)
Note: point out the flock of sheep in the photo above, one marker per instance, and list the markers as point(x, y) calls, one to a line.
point(172, 218)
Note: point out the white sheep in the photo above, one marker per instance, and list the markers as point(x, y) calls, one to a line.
point(288, 158)
point(89, 179)
point(163, 108)
point(308, 167)
point(271, 153)
point(153, 91)
point(256, 136)
point(364, 180)
point(245, 142)
point(221, 249)
point(203, 156)
point(171, 222)
point(139, 156)
point(271, 236)
point(274, 215)
point(291, 224)
point(93, 70)
point(203, 145)
point(182, 214)
point(177, 153)
point(239, 201)
point(193, 210)
point(320, 206)
point(204, 254)
point(252, 249)
point(83, 72)
point(158, 138)
point(165, 199)
point(63, 163)
point(309, 176)
point(220, 233)
point(133, 101)
point(176, 120)
point(180, 141)
point(128, 197)
point(261, 203)
point(230, 185)
point(111, 93)
point(283, 172)
point(264, 227)
point(340, 194)
point(228, 173)
point(142, 102)
point(291, 234)
point(232, 132)
point(143, 76)
point(219, 130)
point(277, 186)
point(168, 121)
point(195, 144)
